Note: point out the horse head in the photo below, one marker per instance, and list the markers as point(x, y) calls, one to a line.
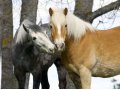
point(58, 27)
point(39, 38)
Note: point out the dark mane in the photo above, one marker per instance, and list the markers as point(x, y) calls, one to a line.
point(35, 28)
point(21, 36)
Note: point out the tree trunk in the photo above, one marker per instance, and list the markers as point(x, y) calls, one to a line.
point(83, 8)
point(6, 23)
point(1, 13)
point(29, 11)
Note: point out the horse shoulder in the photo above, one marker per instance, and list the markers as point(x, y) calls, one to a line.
point(80, 52)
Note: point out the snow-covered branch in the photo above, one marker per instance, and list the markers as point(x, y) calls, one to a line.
point(103, 10)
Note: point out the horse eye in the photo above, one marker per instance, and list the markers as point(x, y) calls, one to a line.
point(50, 26)
point(66, 25)
point(34, 38)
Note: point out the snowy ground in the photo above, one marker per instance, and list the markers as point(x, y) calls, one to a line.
point(97, 83)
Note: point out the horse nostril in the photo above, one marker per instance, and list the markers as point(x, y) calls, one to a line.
point(51, 50)
point(60, 46)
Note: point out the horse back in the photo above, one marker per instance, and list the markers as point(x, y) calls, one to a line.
point(107, 40)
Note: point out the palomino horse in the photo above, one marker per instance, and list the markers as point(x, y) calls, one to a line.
point(86, 51)
point(30, 47)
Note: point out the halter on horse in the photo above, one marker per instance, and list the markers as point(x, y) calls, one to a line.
point(86, 51)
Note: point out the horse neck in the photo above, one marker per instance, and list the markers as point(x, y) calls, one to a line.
point(76, 26)
point(70, 40)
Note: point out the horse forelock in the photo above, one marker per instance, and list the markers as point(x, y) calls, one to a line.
point(21, 33)
point(57, 21)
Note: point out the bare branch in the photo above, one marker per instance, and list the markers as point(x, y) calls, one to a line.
point(103, 10)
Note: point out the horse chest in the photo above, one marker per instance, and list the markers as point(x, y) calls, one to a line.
point(68, 61)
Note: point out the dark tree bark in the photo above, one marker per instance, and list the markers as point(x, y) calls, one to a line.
point(103, 10)
point(83, 8)
point(1, 13)
point(6, 24)
point(29, 11)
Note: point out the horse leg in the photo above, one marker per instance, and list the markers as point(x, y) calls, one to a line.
point(75, 78)
point(85, 76)
point(36, 80)
point(61, 74)
point(44, 82)
point(20, 75)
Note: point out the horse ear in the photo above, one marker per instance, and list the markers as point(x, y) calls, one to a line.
point(25, 28)
point(65, 11)
point(50, 11)
point(40, 23)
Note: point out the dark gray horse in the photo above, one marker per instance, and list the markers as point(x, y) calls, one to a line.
point(30, 47)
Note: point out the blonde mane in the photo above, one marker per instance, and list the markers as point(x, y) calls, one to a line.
point(76, 26)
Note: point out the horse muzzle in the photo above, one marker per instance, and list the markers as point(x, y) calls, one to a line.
point(51, 51)
point(60, 47)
